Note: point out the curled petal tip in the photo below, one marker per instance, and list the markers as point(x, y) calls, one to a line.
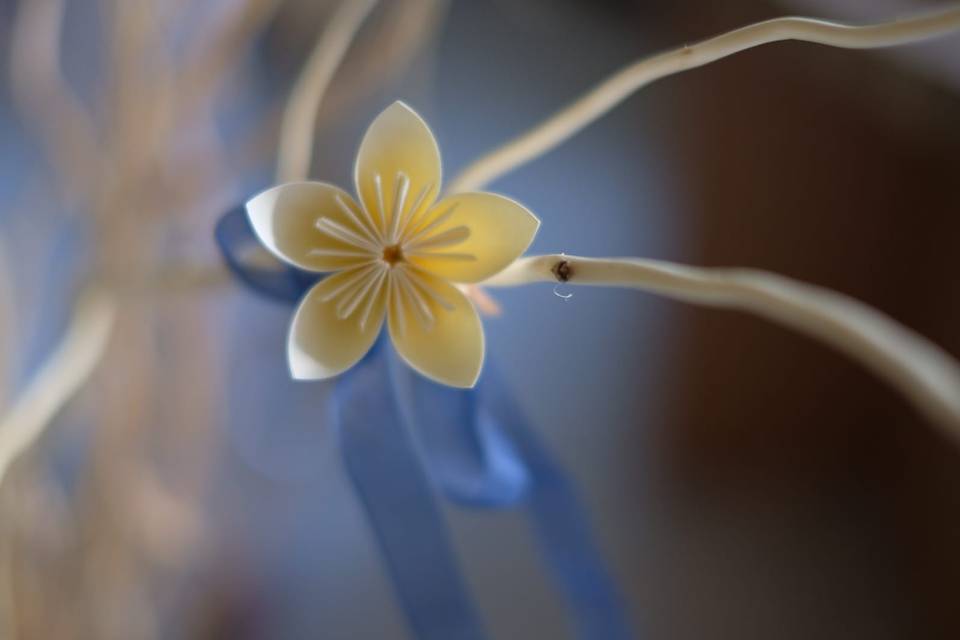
point(322, 342)
point(402, 105)
point(501, 229)
point(451, 350)
point(284, 219)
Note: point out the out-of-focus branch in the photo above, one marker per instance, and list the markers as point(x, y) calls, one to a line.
point(8, 322)
point(571, 119)
point(925, 374)
point(63, 373)
point(78, 354)
point(297, 130)
point(43, 96)
point(403, 31)
point(209, 62)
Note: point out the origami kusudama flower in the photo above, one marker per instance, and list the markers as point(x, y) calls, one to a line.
point(396, 254)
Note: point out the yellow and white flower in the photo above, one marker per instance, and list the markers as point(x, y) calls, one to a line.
point(396, 254)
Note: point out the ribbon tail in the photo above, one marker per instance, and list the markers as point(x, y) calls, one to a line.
point(388, 477)
point(561, 525)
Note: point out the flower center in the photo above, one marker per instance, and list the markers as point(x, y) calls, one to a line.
point(393, 254)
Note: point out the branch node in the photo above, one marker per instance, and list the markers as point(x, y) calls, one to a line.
point(561, 271)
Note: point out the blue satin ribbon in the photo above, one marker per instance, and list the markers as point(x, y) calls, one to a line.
point(474, 447)
point(388, 476)
point(560, 524)
point(481, 451)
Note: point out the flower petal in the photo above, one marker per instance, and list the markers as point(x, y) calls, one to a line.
point(285, 219)
point(449, 349)
point(398, 142)
point(500, 230)
point(321, 344)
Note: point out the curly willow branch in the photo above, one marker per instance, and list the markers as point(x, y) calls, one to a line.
point(925, 374)
point(299, 118)
point(618, 87)
point(59, 378)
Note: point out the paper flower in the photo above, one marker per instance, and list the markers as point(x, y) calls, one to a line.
point(396, 253)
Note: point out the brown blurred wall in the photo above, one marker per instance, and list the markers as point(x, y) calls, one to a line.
point(838, 168)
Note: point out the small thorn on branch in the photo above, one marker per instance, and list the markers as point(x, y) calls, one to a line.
point(561, 271)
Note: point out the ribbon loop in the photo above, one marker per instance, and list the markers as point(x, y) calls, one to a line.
point(236, 241)
point(466, 453)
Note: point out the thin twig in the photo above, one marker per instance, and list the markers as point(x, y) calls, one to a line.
point(925, 374)
point(296, 134)
point(60, 377)
point(571, 119)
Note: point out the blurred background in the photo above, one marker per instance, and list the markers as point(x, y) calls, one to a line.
point(743, 482)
